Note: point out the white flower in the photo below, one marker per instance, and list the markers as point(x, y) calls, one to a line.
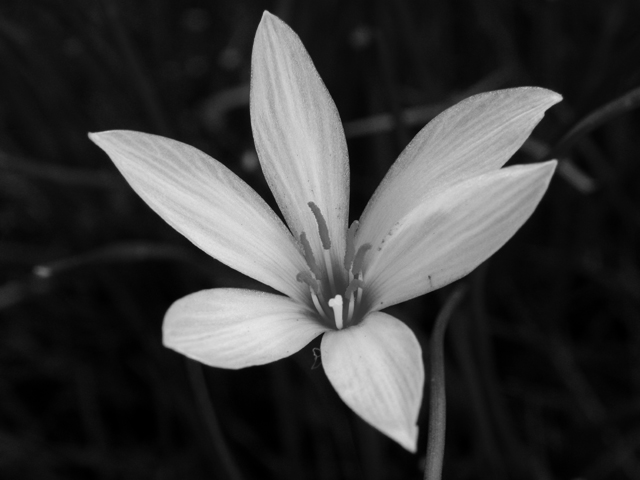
point(444, 207)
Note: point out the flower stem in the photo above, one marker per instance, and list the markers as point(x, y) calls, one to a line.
point(199, 386)
point(438, 400)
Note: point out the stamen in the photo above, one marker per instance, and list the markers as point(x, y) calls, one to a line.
point(318, 306)
point(355, 287)
point(306, 277)
point(322, 226)
point(355, 284)
point(357, 262)
point(352, 306)
point(358, 296)
point(329, 265)
point(336, 304)
point(351, 246)
point(308, 255)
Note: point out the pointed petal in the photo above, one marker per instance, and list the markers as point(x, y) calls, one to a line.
point(376, 368)
point(475, 136)
point(298, 134)
point(445, 239)
point(236, 328)
point(208, 204)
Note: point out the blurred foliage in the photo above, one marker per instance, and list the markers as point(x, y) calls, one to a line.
point(543, 356)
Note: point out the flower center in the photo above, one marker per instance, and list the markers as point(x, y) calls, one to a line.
point(335, 288)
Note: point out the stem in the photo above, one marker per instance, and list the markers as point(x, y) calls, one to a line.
point(438, 400)
point(199, 386)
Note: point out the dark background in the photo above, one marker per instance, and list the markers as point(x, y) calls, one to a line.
point(543, 355)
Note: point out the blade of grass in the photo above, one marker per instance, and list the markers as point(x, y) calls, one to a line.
point(60, 174)
point(136, 70)
point(623, 104)
point(121, 252)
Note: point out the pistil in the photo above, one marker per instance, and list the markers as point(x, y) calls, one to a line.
point(336, 304)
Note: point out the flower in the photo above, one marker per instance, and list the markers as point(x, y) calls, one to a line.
point(444, 207)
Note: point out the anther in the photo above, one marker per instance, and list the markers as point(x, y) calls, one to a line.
point(351, 245)
point(308, 255)
point(322, 226)
point(359, 259)
point(354, 285)
point(336, 304)
point(306, 277)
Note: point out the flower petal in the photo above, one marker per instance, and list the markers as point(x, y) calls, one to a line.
point(236, 328)
point(376, 368)
point(475, 136)
point(453, 233)
point(208, 204)
point(298, 134)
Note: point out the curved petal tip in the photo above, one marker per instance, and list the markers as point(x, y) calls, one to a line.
point(376, 368)
point(236, 328)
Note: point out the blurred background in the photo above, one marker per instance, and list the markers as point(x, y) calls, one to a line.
point(543, 354)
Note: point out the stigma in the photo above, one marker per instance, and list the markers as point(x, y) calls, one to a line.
point(336, 304)
point(336, 286)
